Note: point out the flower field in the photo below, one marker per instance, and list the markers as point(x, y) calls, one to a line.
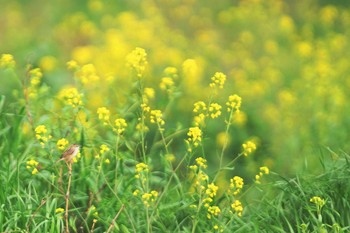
point(191, 116)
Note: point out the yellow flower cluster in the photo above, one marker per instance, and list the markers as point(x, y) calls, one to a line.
point(214, 110)
point(35, 76)
point(156, 117)
point(234, 103)
point(201, 162)
point(103, 114)
point(167, 84)
point(7, 61)
point(42, 135)
point(201, 177)
point(140, 168)
point(120, 125)
point(32, 165)
point(149, 198)
point(87, 74)
point(211, 190)
point(71, 97)
point(213, 211)
point(59, 210)
point(72, 65)
point(218, 80)
point(194, 137)
point(248, 147)
point(263, 170)
point(200, 108)
point(62, 143)
point(103, 149)
point(319, 202)
point(236, 185)
point(137, 60)
point(237, 207)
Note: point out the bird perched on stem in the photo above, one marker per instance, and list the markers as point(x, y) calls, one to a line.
point(69, 154)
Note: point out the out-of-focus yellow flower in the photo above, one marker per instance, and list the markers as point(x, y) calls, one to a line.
point(149, 198)
point(156, 117)
point(213, 211)
point(41, 134)
point(48, 63)
point(71, 96)
point(59, 210)
point(194, 136)
point(263, 171)
point(137, 60)
point(234, 103)
point(87, 74)
point(103, 114)
point(214, 110)
point(62, 143)
point(104, 148)
point(33, 166)
point(201, 162)
point(7, 61)
point(218, 80)
point(248, 147)
point(72, 65)
point(120, 125)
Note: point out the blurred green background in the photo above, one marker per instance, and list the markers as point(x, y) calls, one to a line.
point(289, 60)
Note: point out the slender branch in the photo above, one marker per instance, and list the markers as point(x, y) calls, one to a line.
point(69, 164)
point(115, 218)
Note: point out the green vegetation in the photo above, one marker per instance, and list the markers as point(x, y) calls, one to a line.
point(191, 117)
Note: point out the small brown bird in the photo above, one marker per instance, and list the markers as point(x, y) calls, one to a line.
point(69, 154)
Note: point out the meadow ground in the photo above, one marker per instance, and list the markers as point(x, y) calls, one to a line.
point(192, 116)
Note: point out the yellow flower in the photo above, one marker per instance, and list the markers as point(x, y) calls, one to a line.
point(136, 192)
point(318, 201)
point(35, 171)
point(195, 135)
point(141, 167)
point(214, 110)
point(167, 84)
point(248, 148)
point(211, 190)
point(149, 92)
point(148, 198)
point(263, 170)
point(120, 125)
point(103, 148)
point(41, 134)
point(236, 185)
point(62, 143)
point(59, 210)
point(87, 74)
point(71, 97)
point(7, 61)
point(41, 129)
point(156, 117)
point(237, 207)
point(103, 114)
point(234, 103)
point(218, 80)
point(201, 162)
point(213, 211)
point(72, 65)
point(137, 60)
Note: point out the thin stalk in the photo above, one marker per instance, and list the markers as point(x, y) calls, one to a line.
point(228, 124)
point(116, 164)
point(115, 218)
point(69, 164)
